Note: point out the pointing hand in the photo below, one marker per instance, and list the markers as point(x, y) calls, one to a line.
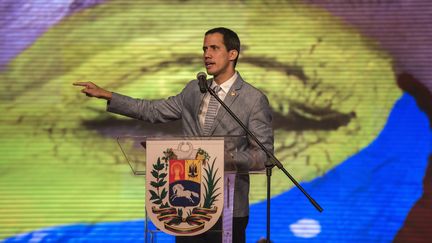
point(92, 90)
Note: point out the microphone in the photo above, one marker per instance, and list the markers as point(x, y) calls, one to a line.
point(202, 81)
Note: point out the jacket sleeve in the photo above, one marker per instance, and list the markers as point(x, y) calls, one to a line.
point(154, 111)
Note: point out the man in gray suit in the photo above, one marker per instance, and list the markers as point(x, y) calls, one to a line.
point(201, 116)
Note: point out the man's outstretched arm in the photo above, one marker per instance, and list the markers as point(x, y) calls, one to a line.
point(163, 110)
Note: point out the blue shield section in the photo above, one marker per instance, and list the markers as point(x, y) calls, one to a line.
point(184, 193)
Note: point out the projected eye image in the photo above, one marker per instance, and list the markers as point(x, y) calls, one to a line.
point(342, 125)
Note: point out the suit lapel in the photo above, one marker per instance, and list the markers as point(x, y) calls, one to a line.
point(230, 97)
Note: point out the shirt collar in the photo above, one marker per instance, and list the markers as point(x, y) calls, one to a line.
point(226, 86)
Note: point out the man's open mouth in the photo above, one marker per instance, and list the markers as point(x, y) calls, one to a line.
point(209, 64)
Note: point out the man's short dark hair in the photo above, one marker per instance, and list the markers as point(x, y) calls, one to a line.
point(231, 39)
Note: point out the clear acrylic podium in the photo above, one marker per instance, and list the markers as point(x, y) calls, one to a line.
point(135, 152)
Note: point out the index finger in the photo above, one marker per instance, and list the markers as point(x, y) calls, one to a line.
point(80, 83)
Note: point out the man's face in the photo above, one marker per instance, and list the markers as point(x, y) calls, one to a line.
point(217, 59)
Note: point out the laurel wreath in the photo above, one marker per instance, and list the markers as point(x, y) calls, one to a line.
point(159, 172)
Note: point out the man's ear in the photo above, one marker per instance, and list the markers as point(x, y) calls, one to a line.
point(233, 54)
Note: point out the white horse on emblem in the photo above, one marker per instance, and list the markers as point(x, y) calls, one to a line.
point(179, 191)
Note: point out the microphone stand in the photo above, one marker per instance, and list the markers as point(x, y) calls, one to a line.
point(269, 166)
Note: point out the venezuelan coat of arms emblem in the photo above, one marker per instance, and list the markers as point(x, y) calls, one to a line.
point(184, 194)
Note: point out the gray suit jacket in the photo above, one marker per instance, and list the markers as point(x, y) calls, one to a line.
point(247, 102)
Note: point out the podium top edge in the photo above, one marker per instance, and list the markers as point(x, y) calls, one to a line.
point(181, 137)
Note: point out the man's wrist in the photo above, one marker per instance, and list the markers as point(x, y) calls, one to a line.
point(107, 95)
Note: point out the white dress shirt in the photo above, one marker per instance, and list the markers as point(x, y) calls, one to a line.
point(225, 87)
